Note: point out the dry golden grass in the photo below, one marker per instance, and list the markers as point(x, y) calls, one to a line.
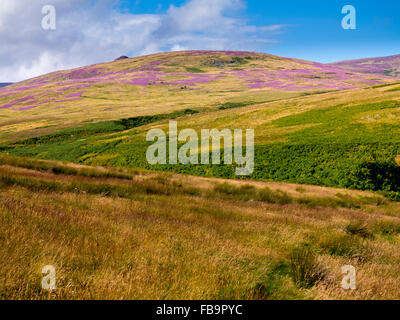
point(161, 242)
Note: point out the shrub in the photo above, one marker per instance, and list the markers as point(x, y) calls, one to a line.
point(377, 175)
point(391, 195)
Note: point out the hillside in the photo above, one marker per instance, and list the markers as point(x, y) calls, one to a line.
point(125, 234)
point(344, 137)
point(387, 66)
point(163, 83)
point(348, 139)
point(78, 193)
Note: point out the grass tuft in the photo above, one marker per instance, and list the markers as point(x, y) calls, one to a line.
point(305, 269)
point(344, 245)
point(358, 228)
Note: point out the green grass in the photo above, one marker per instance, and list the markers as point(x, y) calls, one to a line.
point(105, 127)
point(394, 89)
point(344, 246)
point(250, 193)
point(57, 168)
point(331, 146)
point(120, 231)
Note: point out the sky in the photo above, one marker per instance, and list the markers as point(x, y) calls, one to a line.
point(92, 31)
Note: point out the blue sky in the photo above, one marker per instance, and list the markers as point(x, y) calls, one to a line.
point(313, 28)
point(93, 31)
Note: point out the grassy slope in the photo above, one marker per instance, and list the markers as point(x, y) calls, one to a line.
point(161, 83)
point(129, 233)
point(340, 139)
point(114, 235)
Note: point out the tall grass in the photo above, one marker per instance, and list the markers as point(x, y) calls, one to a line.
point(157, 237)
point(76, 185)
point(250, 193)
point(305, 269)
point(56, 168)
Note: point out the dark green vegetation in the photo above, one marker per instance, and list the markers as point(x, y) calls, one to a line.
point(335, 150)
point(391, 73)
point(332, 146)
point(194, 70)
point(105, 127)
point(159, 186)
point(232, 105)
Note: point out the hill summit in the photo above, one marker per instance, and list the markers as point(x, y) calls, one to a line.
point(166, 82)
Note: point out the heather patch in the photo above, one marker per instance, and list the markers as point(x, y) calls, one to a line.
point(193, 70)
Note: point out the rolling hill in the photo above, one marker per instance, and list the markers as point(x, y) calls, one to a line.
point(77, 192)
point(387, 66)
point(314, 124)
point(163, 83)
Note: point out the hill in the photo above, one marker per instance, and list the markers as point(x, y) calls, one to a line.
point(387, 66)
point(163, 83)
point(77, 191)
point(347, 138)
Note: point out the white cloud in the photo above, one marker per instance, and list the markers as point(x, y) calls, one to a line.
point(178, 47)
point(90, 31)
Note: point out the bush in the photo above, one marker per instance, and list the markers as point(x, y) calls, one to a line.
point(377, 175)
point(391, 195)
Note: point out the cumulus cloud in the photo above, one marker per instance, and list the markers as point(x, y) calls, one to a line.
point(93, 31)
